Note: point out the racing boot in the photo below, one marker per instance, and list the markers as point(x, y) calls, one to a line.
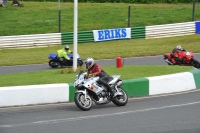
point(115, 92)
point(101, 100)
point(173, 61)
point(111, 89)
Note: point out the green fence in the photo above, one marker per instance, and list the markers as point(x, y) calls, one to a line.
point(87, 36)
point(83, 37)
point(138, 32)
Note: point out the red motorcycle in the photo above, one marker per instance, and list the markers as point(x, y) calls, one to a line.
point(186, 58)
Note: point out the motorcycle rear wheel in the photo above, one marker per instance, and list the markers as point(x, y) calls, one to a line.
point(196, 64)
point(121, 100)
point(53, 64)
point(81, 102)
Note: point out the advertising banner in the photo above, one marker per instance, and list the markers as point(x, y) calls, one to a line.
point(111, 34)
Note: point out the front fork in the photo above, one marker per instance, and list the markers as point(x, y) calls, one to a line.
point(116, 89)
point(84, 92)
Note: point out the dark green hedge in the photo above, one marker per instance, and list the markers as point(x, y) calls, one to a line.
point(121, 1)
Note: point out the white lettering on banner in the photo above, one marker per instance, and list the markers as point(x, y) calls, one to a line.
point(110, 34)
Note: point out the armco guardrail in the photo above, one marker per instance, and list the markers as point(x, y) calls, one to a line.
point(54, 93)
point(138, 32)
point(41, 40)
point(169, 30)
point(83, 37)
point(35, 40)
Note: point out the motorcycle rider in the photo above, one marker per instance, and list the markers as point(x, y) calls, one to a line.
point(175, 53)
point(96, 70)
point(62, 53)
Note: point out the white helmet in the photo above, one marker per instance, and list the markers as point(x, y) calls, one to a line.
point(89, 62)
point(179, 47)
point(66, 47)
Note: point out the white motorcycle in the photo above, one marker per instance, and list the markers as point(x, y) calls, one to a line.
point(89, 90)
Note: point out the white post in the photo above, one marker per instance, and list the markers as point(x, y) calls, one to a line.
point(75, 34)
point(59, 18)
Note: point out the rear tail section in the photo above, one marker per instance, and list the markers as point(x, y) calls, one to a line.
point(52, 56)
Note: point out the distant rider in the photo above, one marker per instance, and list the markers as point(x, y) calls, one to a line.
point(62, 53)
point(96, 70)
point(175, 53)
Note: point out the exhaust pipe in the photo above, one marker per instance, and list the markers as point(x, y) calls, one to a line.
point(168, 61)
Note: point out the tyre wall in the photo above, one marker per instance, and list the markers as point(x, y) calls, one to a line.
point(55, 93)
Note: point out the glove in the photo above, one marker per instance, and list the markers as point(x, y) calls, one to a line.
point(89, 75)
point(68, 59)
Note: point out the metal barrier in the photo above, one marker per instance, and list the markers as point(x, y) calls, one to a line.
point(83, 37)
point(35, 40)
point(138, 32)
point(170, 30)
point(41, 40)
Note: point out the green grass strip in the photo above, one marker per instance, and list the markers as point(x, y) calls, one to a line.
point(59, 75)
point(42, 17)
point(103, 50)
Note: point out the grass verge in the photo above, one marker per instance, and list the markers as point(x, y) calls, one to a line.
point(55, 76)
point(42, 17)
point(103, 50)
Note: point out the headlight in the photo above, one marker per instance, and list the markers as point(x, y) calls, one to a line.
point(75, 85)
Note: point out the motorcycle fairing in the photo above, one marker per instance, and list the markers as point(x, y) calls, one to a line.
point(115, 78)
point(53, 56)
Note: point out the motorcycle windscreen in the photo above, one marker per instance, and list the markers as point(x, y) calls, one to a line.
point(70, 55)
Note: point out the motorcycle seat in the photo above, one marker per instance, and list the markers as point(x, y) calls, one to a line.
point(110, 79)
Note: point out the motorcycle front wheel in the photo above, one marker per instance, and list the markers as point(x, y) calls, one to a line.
point(82, 102)
point(121, 100)
point(53, 64)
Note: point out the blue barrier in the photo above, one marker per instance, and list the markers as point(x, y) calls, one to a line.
point(198, 27)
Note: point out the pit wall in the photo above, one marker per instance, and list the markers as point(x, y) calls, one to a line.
point(55, 93)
